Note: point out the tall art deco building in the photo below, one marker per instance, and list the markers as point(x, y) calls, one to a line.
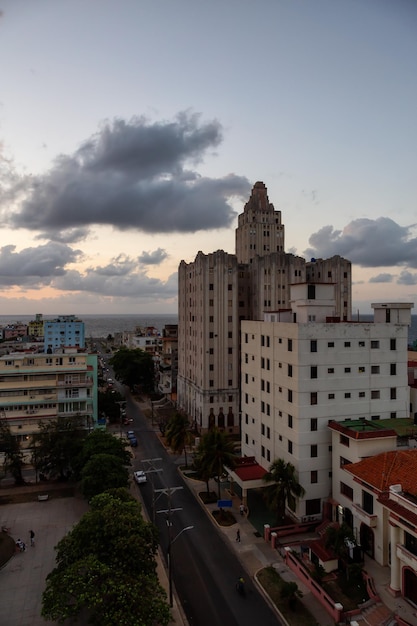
point(218, 290)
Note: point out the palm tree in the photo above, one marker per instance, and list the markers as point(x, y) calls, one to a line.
point(215, 452)
point(285, 488)
point(178, 434)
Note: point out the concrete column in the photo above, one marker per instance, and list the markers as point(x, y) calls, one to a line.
point(273, 540)
point(395, 584)
point(245, 497)
point(267, 532)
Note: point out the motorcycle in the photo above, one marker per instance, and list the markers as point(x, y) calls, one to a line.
point(240, 587)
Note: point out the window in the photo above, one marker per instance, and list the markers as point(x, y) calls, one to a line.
point(331, 396)
point(393, 393)
point(313, 397)
point(410, 543)
point(330, 344)
point(330, 370)
point(374, 344)
point(313, 371)
point(289, 345)
point(313, 477)
point(289, 395)
point(393, 415)
point(211, 383)
point(393, 344)
point(263, 451)
point(375, 394)
point(347, 394)
point(290, 371)
point(311, 292)
point(268, 455)
point(313, 450)
point(344, 461)
point(290, 446)
point(393, 369)
point(361, 370)
point(344, 441)
point(361, 344)
point(347, 344)
point(361, 394)
point(313, 507)
point(211, 287)
point(211, 368)
point(347, 491)
point(374, 369)
point(313, 345)
point(368, 502)
point(268, 432)
point(289, 421)
point(347, 370)
point(313, 423)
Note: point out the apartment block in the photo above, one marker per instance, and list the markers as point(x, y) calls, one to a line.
point(36, 387)
point(218, 290)
point(63, 331)
point(302, 367)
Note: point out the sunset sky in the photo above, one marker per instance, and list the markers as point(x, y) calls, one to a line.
point(132, 131)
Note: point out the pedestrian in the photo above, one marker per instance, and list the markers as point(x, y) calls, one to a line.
point(21, 545)
point(32, 538)
point(242, 508)
point(238, 535)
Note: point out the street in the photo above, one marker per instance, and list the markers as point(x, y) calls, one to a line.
point(204, 569)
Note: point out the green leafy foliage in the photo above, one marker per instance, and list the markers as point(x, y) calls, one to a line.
point(215, 452)
point(102, 472)
point(101, 442)
point(106, 568)
point(13, 457)
point(56, 444)
point(178, 434)
point(134, 368)
point(284, 488)
point(108, 404)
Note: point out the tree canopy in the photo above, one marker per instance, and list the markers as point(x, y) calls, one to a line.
point(13, 457)
point(102, 472)
point(284, 488)
point(56, 444)
point(134, 368)
point(101, 442)
point(106, 567)
point(178, 434)
point(216, 450)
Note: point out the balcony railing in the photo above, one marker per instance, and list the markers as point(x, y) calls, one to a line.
point(368, 518)
point(407, 557)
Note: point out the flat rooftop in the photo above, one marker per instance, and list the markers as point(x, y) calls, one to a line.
point(403, 426)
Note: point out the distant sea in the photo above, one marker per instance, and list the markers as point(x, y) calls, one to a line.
point(103, 325)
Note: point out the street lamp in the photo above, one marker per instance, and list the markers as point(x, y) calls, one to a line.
point(170, 544)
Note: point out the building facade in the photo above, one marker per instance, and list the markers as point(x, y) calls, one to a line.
point(64, 331)
point(36, 387)
point(219, 290)
point(302, 367)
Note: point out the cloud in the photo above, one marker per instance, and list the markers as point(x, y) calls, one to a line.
point(369, 243)
point(132, 176)
point(382, 278)
point(35, 267)
point(153, 258)
point(406, 278)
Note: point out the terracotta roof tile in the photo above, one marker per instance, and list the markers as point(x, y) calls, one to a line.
point(388, 468)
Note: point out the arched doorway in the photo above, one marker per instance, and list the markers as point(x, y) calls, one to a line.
point(410, 585)
point(366, 536)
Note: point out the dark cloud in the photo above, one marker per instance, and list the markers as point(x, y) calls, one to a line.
point(407, 278)
point(35, 267)
point(153, 258)
point(129, 175)
point(382, 278)
point(369, 243)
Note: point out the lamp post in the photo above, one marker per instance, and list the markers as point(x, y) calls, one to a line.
point(170, 544)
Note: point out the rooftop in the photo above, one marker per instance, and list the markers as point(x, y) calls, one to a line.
point(388, 468)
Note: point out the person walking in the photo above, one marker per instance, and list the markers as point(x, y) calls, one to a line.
point(238, 535)
point(32, 538)
point(242, 509)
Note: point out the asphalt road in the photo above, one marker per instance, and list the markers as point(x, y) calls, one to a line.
point(204, 568)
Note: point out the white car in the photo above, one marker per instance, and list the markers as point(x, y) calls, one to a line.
point(140, 477)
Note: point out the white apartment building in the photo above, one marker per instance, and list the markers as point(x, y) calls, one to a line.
point(302, 367)
point(219, 290)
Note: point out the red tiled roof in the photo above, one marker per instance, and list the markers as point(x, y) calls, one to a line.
point(398, 510)
point(248, 469)
point(318, 547)
point(388, 468)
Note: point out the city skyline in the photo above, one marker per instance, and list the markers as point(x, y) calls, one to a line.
point(131, 136)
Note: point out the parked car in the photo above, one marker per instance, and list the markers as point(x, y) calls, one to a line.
point(140, 477)
point(130, 434)
point(133, 442)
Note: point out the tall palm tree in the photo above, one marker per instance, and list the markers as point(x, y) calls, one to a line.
point(283, 489)
point(178, 434)
point(215, 452)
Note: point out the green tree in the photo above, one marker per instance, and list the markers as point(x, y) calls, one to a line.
point(106, 568)
point(102, 472)
point(215, 452)
point(56, 444)
point(134, 368)
point(101, 442)
point(108, 404)
point(336, 537)
point(283, 489)
point(178, 434)
point(290, 592)
point(13, 456)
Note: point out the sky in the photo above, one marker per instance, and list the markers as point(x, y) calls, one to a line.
point(132, 132)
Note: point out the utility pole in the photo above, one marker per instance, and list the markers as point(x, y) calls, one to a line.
point(168, 513)
point(151, 469)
